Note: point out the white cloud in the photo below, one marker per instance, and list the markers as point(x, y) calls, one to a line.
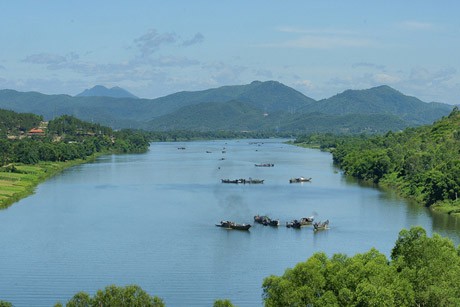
point(423, 75)
point(326, 38)
point(197, 39)
point(317, 31)
point(416, 25)
point(305, 84)
point(151, 41)
point(386, 78)
point(368, 65)
point(45, 58)
point(326, 42)
point(263, 73)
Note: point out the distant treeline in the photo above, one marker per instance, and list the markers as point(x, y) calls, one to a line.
point(187, 135)
point(421, 163)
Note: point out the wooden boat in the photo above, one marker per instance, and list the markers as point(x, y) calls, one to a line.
point(265, 165)
point(229, 181)
point(321, 225)
point(233, 225)
point(299, 179)
point(307, 220)
point(252, 181)
point(261, 219)
point(293, 224)
point(266, 221)
point(299, 223)
point(243, 181)
point(240, 226)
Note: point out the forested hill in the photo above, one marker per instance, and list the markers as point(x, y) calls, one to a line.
point(382, 100)
point(421, 163)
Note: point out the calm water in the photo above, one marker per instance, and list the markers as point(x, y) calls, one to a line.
point(149, 220)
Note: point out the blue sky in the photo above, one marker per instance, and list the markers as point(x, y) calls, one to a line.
point(155, 48)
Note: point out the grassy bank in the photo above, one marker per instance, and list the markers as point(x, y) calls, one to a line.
point(451, 207)
point(20, 180)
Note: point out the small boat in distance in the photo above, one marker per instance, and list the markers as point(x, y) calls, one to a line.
point(307, 220)
point(321, 225)
point(233, 225)
point(293, 224)
point(243, 181)
point(266, 221)
point(299, 179)
point(299, 223)
point(265, 165)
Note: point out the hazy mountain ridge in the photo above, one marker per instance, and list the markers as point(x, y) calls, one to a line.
point(382, 100)
point(99, 90)
point(259, 105)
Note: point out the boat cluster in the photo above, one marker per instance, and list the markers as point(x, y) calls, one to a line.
point(266, 221)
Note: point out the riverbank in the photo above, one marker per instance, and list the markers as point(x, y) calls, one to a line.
point(18, 180)
point(390, 183)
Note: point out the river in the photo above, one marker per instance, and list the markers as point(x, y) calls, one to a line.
point(149, 219)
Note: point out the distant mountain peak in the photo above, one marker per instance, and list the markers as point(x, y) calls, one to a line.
point(100, 90)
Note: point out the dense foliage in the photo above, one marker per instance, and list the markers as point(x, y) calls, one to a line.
point(422, 271)
point(17, 123)
point(65, 138)
point(421, 163)
point(128, 296)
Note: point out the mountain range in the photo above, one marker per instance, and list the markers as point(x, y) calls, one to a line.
point(258, 106)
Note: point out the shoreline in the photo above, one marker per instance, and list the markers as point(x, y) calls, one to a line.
point(23, 180)
point(448, 207)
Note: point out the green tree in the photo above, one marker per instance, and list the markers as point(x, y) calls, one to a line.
point(223, 303)
point(432, 265)
point(131, 295)
point(81, 299)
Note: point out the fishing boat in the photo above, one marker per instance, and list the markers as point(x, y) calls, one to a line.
point(307, 220)
point(233, 225)
point(299, 179)
point(293, 224)
point(266, 221)
point(265, 165)
point(243, 181)
point(321, 225)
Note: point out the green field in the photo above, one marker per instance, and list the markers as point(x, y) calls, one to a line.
point(18, 181)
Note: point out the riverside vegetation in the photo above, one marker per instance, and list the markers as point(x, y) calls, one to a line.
point(420, 163)
point(28, 157)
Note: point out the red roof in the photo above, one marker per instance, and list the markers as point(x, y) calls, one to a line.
point(34, 130)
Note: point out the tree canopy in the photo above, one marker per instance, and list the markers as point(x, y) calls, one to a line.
point(129, 296)
point(422, 271)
